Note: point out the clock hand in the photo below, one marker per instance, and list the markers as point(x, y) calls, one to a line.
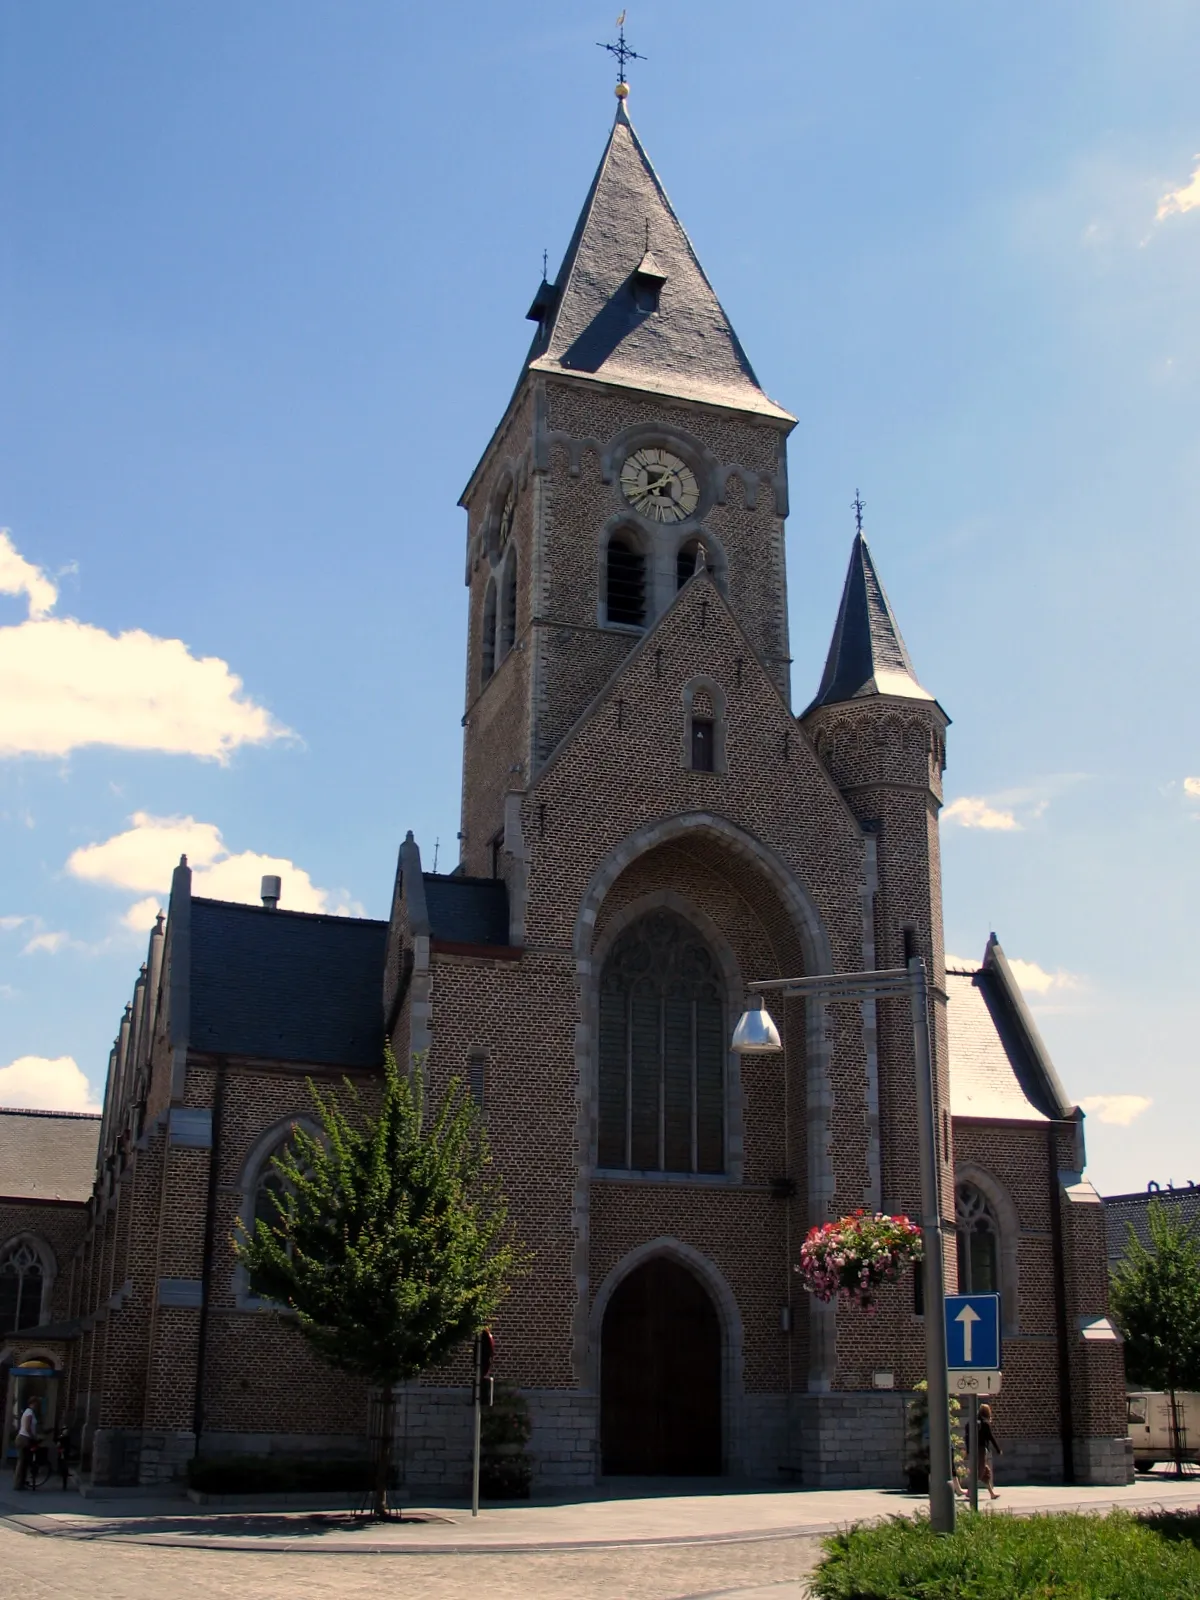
point(667, 477)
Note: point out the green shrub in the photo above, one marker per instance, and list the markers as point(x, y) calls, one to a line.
point(277, 1475)
point(1000, 1557)
point(505, 1468)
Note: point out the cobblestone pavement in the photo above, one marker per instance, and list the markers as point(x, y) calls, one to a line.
point(34, 1567)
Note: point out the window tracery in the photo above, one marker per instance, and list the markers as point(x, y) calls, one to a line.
point(978, 1236)
point(22, 1278)
point(662, 1051)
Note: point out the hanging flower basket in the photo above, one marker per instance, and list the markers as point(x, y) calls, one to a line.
point(852, 1257)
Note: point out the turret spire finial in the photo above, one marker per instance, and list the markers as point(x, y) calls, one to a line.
point(858, 508)
point(623, 54)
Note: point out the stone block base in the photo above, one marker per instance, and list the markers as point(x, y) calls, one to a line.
point(1102, 1461)
point(116, 1457)
point(164, 1456)
point(848, 1441)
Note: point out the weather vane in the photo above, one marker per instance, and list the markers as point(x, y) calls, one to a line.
point(622, 52)
point(858, 509)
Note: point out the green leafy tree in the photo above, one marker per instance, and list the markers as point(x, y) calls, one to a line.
point(392, 1243)
point(1155, 1297)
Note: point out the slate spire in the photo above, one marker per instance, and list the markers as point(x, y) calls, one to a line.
point(631, 304)
point(868, 655)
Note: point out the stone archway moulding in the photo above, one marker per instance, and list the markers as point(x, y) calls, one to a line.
point(728, 1316)
point(814, 942)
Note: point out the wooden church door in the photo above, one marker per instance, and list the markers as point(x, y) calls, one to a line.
point(660, 1375)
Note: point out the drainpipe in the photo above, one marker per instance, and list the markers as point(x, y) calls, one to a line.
point(1065, 1414)
point(210, 1231)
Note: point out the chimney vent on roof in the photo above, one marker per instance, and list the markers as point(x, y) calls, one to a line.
point(271, 889)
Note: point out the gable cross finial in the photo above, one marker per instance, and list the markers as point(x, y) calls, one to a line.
point(858, 509)
point(545, 264)
point(623, 54)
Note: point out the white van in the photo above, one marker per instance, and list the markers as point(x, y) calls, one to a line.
point(1149, 1421)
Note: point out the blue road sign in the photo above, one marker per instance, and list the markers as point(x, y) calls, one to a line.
point(972, 1332)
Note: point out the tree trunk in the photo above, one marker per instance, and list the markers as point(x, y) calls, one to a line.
point(1176, 1434)
point(383, 1454)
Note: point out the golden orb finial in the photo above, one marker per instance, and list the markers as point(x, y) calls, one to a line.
point(622, 91)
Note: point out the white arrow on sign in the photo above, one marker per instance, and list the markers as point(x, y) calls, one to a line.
point(967, 1316)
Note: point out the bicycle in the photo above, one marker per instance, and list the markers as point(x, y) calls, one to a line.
point(41, 1468)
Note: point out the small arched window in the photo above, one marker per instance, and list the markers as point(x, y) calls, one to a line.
point(625, 582)
point(22, 1276)
point(508, 606)
point(662, 1051)
point(978, 1242)
point(487, 663)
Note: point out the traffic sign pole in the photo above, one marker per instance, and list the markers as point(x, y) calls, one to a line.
point(941, 1462)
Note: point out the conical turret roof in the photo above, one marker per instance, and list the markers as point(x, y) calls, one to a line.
point(631, 304)
point(868, 655)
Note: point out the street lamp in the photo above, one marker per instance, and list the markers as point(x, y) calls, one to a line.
point(756, 1034)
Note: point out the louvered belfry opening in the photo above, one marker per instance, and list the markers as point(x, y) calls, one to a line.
point(685, 562)
point(662, 1051)
point(508, 620)
point(626, 582)
point(488, 661)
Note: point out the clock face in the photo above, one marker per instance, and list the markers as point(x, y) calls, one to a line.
point(506, 515)
point(659, 485)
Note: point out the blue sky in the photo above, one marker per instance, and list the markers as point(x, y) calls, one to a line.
point(263, 274)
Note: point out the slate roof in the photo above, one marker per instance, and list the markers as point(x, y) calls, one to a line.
point(48, 1155)
point(868, 655)
point(1123, 1210)
point(686, 347)
point(286, 985)
point(999, 1066)
point(467, 910)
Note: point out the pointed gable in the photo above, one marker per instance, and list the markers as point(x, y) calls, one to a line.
point(868, 655)
point(631, 304)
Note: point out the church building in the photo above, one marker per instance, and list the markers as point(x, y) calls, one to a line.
point(648, 826)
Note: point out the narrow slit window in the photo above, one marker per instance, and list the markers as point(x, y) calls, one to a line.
point(626, 583)
point(685, 562)
point(477, 1064)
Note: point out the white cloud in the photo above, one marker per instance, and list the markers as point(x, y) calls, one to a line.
point(973, 811)
point(1191, 787)
point(1120, 1109)
point(144, 856)
point(18, 576)
point(45, 1083)
point(65, 684)
point(1185, 198)
point(1036, 980)
point(51, 942)
point(7, 924)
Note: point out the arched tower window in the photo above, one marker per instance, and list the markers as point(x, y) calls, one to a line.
point(488, 653)
point(625, 582)
point(978, 1242)
point(508, 606)
point(685, 562)
point(662, 1051)
point(22, 1275)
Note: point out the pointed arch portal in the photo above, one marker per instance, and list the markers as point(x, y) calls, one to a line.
point(660, 1375)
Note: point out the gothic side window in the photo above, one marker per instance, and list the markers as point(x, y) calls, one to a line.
point(685, 562)
point(268, 1192)
point(488, 658)
point(625, 582)
point(978, 1242)
point(662, 1051)
point(21, 1281)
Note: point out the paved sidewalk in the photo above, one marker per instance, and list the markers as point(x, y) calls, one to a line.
point(719, 1513)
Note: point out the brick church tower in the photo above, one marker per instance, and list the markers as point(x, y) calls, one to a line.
point(647, 828)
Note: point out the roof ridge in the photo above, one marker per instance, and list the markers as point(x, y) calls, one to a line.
point(37, 1111)
point(285, 911)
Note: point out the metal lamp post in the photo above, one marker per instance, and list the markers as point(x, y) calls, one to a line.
point(756, 1034)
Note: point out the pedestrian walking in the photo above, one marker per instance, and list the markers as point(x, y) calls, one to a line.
point(987, 1445)
point(27, 1438)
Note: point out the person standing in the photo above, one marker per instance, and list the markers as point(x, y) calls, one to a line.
point(27, 1438)
point(987, 1445)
